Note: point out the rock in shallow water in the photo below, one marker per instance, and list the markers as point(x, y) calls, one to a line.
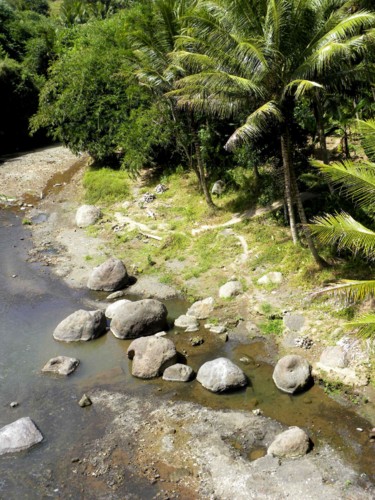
point(178, 373)
point(142, 317)
point(292, 373)
point(151, 355)
point(202, 308)
point(61, 365)
point(185, 321)
point(19, 435)
point(292, 443)
point(221, 375)
point(109, 276)
point(81, 325)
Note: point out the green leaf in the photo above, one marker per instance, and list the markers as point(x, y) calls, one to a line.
point(365, 325)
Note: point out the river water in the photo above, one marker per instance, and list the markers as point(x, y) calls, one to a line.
point(32, 303)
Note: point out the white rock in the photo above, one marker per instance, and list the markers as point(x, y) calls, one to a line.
point(274, 278)
point(230, 289)
point(113, 308)
point(87, 215)
point(19, 435)
point(185, 321)
point(202, 308)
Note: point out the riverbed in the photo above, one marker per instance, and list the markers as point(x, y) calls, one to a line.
point(33, 302)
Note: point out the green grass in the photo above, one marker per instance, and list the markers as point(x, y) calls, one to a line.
point(105, 185)
point(272, 327)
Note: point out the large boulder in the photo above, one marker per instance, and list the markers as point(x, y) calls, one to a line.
point(81, 325)
point(87, 215)
point(139, 318)
point(61, 365)
point(230, 289)
point(221, 375)
point(185, 321)
point(151, 355)
point(109, 276)
point(290, 444)
point(292, 373)
point(116, 306)
point(178, 373)
point(202, 308)
point(19, 435)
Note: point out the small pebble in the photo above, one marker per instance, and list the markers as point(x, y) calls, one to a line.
point(84, 401)
point(359, 429)
point(14, 404)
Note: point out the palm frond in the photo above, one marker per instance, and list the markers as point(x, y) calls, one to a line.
point(303, 86)
point(352, 290)
point(346, 232)
point(367, 129)
point(358, 181)
point(256, 124)
point(364, 324)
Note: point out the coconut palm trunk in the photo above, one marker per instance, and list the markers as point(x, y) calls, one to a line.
point(286, 154)
point(201, 172)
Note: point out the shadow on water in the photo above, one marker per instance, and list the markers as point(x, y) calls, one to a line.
point(32, 304)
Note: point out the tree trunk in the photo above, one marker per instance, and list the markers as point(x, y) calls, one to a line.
point(288, 191)
point(321, 132)
point(302, 215)
point(346, 144)
point(202, 175)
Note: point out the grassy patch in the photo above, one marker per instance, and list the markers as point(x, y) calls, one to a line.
point(105, 185)
point(272, 327)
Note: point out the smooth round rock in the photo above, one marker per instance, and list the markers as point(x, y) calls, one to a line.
point(139, 318)
point(81, 325)
point(178, 373)
point(112, 308)
point(292, 373)
point(290, 444)
point(109, 276)
point(61, 365)
point(230, 289)
point(151, 355)
point(221, 375)
point(19, 435)
point(87, 215)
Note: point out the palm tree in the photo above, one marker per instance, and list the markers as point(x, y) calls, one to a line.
point(258, 58)
point(358, 182)
point(152, 41)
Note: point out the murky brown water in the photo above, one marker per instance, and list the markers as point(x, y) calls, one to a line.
point(31, 305)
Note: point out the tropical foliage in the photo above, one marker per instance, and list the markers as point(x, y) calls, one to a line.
point(356, 181)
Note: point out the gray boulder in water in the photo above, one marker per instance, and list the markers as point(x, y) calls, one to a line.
point(151, 355)
point(19, 435)
point(178, 373)
point(109, 276)
point(81, 325)
point(139, 318)
point(221, 375)
point(292, 373)
point(61, 365)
